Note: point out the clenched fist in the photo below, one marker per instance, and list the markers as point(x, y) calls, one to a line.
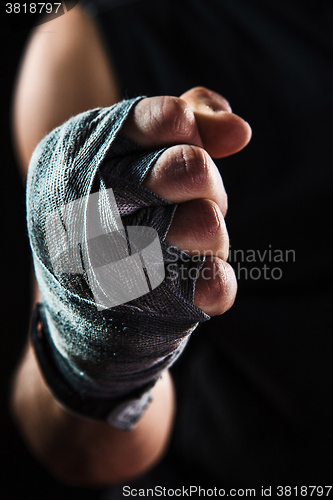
point(195, 127)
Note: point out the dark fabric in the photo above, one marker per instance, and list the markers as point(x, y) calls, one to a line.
point(253, 385)
point(71, 400)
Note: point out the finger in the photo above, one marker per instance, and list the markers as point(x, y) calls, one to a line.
point(184, 173)
point(216, 287)
point(222, 132)
point(162, 121)
point(198, 228)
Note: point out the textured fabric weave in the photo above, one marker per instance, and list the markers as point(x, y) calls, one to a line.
point(106, 353)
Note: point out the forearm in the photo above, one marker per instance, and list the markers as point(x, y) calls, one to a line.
point(65, 71)
point(81, 451)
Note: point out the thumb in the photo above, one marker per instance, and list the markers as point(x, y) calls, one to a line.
point(222, 132)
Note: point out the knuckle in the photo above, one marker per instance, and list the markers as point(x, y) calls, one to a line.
point(174, 118)
point(216, 287)
point(199, 227)
point(195, 166)
point(214, 233)
point(208, 219)
point(228, 283)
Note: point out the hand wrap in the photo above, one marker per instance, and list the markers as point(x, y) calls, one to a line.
point(104, 353)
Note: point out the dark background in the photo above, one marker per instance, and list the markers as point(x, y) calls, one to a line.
point(21, 474)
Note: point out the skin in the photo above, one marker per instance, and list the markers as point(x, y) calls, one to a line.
point(65, 70)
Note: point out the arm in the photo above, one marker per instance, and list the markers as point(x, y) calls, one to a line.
point(64, 73)
point(79, 451)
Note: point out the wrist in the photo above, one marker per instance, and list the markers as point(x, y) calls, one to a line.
point(121, 411)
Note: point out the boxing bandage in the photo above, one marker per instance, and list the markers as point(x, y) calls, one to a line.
point(116, 312)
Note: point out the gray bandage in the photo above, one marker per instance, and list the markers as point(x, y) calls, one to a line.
point(87, 213)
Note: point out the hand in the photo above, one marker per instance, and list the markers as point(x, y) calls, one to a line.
point(196, 126)
point(95, 349)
